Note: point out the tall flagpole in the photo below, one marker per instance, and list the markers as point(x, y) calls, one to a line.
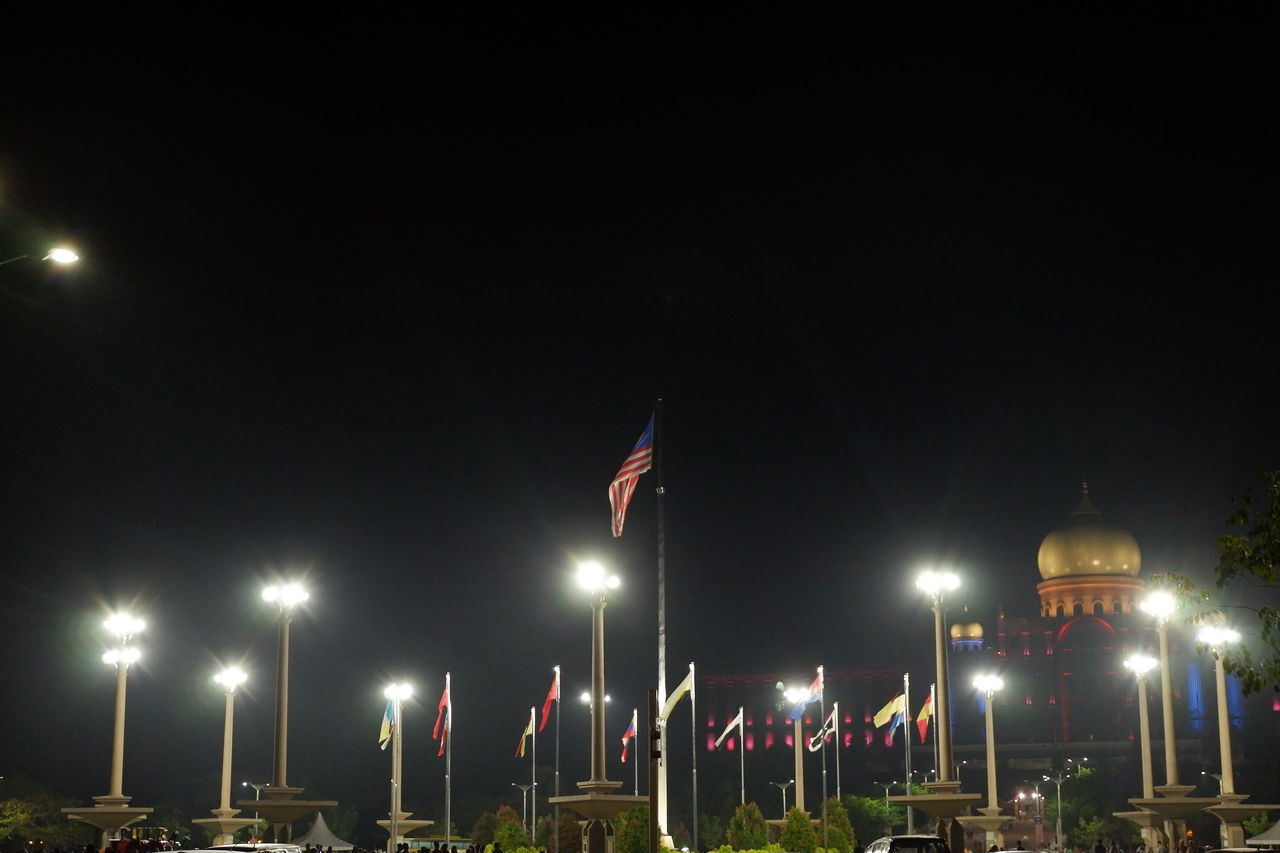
point(933, 713)
point(533, 779)
point(448, 756)
point(635, 741)
point(661, 793)
point(693, 738)
point(835, 718)
point(906, 731)
point(822, 711)
point(555, 829)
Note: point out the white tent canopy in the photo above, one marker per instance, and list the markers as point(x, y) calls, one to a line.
point(1270, 838)
point(319, 835)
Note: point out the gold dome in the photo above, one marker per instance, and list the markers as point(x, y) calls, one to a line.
point(968, 631)
point(1086, 546)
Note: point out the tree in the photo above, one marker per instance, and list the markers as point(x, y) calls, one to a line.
point(839, 830)
point(1257, 824)
point(797, 833)
point(482, 832)
point(631, 831)
point(871, 816)
point(710, 830)
point(569, 835)
point(38, 817)
point(747, 829)
point(1250, 553)
point(1085, 833)
point(509, 833)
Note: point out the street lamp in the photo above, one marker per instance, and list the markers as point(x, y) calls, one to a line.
point(224, 821)
point(593, 578)
point(1161, 604)
point(795, 696)
point(936, 584)
point(59, 255)
point(782, 787)
point(1140, 665)
point(524, 804)
point(396, 693)
point(285, 596)
point(988, 685)
point(1216, 637)
point(1058, 780)
point(123, 626)
point(887, 787)
point(585, 698)
point(257, 793)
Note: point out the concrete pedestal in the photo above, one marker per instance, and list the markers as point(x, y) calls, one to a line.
point(404, 826)
point(1232, 811)
point(598, 809)
point(944, 801)
point(225, 823)
point(280, 809)
point(110, 815)
point(991, 822)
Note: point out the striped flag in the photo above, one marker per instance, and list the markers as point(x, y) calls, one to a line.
point(828, 729)
point(894, 713)
point(735, 723)
point(444, 714)
point(525, 735)
point(388, 726)
point(624, 482)
point(629, 734)
point(922, 719)
point(815, 693)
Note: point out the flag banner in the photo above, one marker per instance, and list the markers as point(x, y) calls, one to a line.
point(674, 698)
point(899, 719)
point(922, 719)
point(629, 734)
point(524, 737)
point(895, 707)
point(736, 722)
point(815, 693)
point(553, 695)
point(388, 725)
point(828, 729)
point(624, 482)
point(440, 731)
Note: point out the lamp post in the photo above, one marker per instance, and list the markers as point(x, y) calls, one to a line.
point(794, 696)
point(782, 787)
point(524, 805)
point(123, 627)
point(59, 255)
point(224, 821)
point(285, 597)
point(257, 792)
point(1162, 605)
point(1140, 665)
point(396, 692)
point(593, 578)
point(887, 787)
point(988, 685)
point(1216, 638)
point(936, 584)
point(1058, 780)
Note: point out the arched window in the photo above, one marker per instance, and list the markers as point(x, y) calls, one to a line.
point(1062, 612)
point(1116, 608)
point(1097, 608)
point(1077, 609)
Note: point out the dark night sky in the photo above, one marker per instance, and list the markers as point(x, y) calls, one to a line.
point(389, 313)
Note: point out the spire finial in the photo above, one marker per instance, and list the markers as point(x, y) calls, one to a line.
point(1084, 489)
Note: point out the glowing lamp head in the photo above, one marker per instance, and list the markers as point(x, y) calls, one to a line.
point(231, 678)
point(286, 594)
point(398, 691)
point(593, 578)
point(62, 255)
point(1140, 665)
point(937, 582)
point(1159, 604)
point(796, 695)
point(1217, 636)
point(123, 625)
point(988, 684)
point(125, 656)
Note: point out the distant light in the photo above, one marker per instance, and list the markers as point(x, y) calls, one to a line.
point(231, 678)
point(936, 581)
point(398, 691)
point(988, 684)
point(287, 595)
point(796, 695)
point(62, 255)
point(1217, 636)
point(593, 578)
point(123, 625)
point(125, 656)
point(1140, 664)
point(1159, 604)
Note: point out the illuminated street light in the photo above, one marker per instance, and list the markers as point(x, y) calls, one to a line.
point(60, 255)
point(1161, 604)
point(123, 626)
point(988, 685)
point(1140, 665)
point(936, 584)
point(1217, 637)
point(257, 792)
point(285, 596)
point(224, 821)
point(396, 693)
point(783, 786)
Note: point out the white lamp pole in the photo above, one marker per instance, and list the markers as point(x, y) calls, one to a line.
point(989, 684)
point(936, 584)
point(1216, 638)
point(123, 626)
point(1140, 665)
point(397, 693)
point(1161, 605)
point(230, 678)
point(593, 578)
point(286, 597)
point(782, 787)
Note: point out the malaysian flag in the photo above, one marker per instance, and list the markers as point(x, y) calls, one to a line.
point(639, 460)
point(629, 734)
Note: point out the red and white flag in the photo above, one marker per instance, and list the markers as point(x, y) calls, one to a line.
point(624, 482)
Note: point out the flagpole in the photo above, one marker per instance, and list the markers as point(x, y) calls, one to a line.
point(906, 709)
point(835, 718)
point(693, 739)
point(932, 713)
point(635, 739)
point(661, 793)
point(533, 779)
point(448, 757)
point(555, 829)
point(742, 761)
point(822, 710)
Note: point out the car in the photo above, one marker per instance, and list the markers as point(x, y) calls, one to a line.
point(257, 847)
point(908, 844)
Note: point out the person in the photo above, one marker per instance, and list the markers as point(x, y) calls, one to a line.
point(1099, 847)
point(1020, 847)
point(992, 849)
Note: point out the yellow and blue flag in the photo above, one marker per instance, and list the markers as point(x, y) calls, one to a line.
point(388, 725)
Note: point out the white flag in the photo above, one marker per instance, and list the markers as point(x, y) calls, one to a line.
point(736, 721)
point(674, 699)
point(828, 728)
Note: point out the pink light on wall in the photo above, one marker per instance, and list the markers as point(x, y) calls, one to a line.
point(789, 741)
point(768, 740)
point(768, 718)
point(848, 739)
point(888, 737)
point(751, 741)
point(867, 736)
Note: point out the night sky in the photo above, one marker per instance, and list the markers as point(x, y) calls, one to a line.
point(386, 313)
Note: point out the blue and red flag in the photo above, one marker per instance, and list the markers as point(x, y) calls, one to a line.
point(629, 735)
point(624, 482)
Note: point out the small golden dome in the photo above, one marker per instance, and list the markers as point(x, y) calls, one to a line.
point(1086, 546)
point(966, 631)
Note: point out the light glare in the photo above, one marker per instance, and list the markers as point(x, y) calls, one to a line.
point(123, 625)
point(1140, 665)
point(231, 678)
point(62, 255)
point(988, 684)
point(398, 690)
point(1159, 604)
point(1217, 636)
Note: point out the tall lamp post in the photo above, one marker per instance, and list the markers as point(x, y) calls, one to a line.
point(782, 788)
point(794, 696)
point(597, 803)
point(524, 806)
point(1216, 638)
point(1140, 665)
point(1058, 780)
point(224, 820)
point(257, 792)
point(991, 819)
point(398, 824)
point(112, 812)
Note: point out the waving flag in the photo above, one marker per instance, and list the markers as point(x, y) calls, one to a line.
point(444, 713)
point(894, 713)
point(553, 695)
point(388, 725)
point(815, 693)
point(674, 699)
point(629, 734)
point(736, 722)
point(922, 719)
point(828, 729)
point(624, 482)
point(525, 735)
